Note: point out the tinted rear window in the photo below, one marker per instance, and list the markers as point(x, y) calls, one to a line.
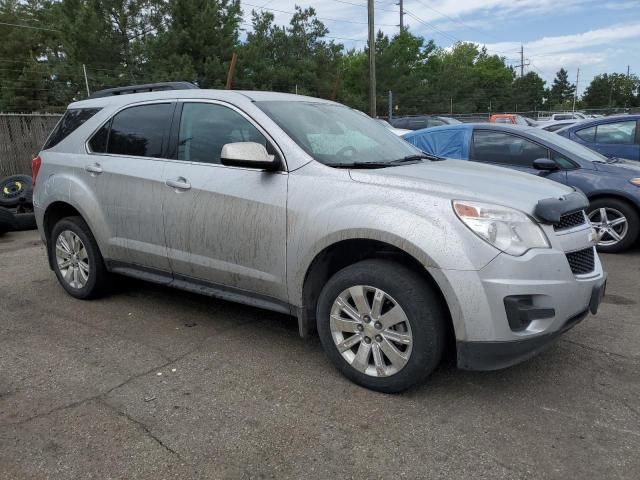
point(140, 131)
point(71, 120)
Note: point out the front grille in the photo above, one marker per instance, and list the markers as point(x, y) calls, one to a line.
point(582, 261)
point(570, 220)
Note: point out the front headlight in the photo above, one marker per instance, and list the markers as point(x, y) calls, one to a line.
point(509, 230)
point(635, 181)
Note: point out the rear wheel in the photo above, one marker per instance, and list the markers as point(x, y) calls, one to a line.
point(382, 325)
point(77, 261)
point(616, 222)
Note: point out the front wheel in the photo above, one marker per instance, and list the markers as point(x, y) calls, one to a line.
point(382, 325)
point(616, 222)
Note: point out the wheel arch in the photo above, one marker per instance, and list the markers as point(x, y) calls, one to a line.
point(343, 253)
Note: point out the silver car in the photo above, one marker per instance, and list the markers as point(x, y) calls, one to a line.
point(306, 207)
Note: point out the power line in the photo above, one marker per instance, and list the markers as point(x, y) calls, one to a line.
point(319, 18)
point(28, 26)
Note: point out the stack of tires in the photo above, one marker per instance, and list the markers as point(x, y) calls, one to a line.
point(16, 204)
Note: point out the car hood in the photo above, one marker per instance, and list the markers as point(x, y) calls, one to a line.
point(620, 166)
point(460, 179)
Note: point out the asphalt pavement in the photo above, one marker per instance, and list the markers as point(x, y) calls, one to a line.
point(150, 382)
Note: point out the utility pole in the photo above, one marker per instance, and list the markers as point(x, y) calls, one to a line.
point(401, 5)
point(390, 102)
point(575, 92)
point(628, 71)
point(372, 62)
point(522, 62)
point(86, 81)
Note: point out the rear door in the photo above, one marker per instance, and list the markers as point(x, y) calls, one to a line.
point(126, 162)
point(505, 149)
point(223, 225)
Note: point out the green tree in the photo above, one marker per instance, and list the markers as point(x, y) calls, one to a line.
point(197, 42)
point(614, 90)
point(560, 95)
point(528, 92)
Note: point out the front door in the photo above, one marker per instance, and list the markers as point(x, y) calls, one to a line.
point(513, 151)
point(223, 225)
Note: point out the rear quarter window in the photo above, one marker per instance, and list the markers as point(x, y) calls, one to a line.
point(70, 121)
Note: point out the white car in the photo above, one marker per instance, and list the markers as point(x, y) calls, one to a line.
point(397, 131)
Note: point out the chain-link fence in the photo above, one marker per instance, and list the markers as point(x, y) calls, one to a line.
point(21, 138)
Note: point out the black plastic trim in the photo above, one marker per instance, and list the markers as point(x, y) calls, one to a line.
point(202, 287)
point(147, 87)
point(521, 312)
point(497, 355)
point(551, 209)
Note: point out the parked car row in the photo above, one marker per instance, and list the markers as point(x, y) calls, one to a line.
point(307, 207)
point(611, 184)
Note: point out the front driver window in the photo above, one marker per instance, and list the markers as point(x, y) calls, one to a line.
point(206, 127)
point(621, 133)
point(506, 149)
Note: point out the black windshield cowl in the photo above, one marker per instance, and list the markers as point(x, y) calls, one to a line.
point(369, 165)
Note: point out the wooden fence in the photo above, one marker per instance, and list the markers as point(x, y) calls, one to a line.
point(21, 137)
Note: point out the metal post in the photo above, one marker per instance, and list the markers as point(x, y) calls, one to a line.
point(450, 105)
point(86, 81)
point(390, 105)
point(521, 60)
point(401, 5)
point(575, 93)
point(372, 62)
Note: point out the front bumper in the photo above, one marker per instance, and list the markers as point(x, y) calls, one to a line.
point(549, 299)
point(497, 355)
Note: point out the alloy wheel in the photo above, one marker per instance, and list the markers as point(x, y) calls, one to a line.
point(610, 224)
point(72, 259)
point(371, 331)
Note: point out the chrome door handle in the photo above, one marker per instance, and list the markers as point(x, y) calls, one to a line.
point(95, 169)
point(179, 183)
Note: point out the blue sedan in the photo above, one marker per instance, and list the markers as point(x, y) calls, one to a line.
point(612, 185)
point(617, 136)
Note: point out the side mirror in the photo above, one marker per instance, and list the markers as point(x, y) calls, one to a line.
point(249, 155)
point(545, 164)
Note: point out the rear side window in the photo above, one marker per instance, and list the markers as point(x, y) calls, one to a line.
point(70, 121)
point(137, 131)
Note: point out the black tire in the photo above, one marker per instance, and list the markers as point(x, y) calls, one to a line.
point(98, 275)
point(633, 223)
point(7, 220)
point(25, 221)
point(423, 310)
point(27, 198)
point(12, 188)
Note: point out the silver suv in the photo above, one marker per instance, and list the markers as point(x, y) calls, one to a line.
point(306, 207)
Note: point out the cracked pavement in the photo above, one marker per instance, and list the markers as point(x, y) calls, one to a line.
point(150, 382)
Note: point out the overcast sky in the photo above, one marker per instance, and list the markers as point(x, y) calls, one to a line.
point(596, 36)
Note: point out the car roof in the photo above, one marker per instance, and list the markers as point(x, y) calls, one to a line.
point(228, 95)
point(506, 127)
point(590, 122)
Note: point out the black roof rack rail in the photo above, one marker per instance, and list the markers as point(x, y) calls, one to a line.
point(148, 87)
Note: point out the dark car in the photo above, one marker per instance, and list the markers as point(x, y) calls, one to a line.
point(617, 136)
point(612, 185)
point(418, 122)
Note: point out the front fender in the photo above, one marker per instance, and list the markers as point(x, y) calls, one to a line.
point(422, 225)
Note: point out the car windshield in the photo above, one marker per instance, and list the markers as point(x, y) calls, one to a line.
point(337, 135)
point(573, 147)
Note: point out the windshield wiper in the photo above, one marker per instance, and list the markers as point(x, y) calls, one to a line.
point(415, 158)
